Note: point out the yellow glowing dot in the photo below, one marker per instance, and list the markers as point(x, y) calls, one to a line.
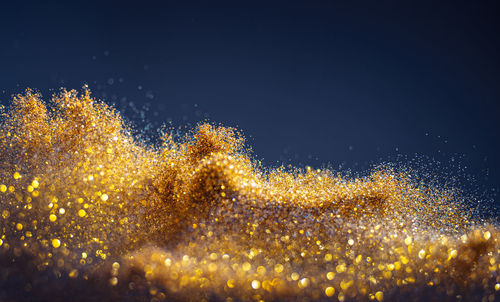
point(62, 211)
point(56, 243)
point(404, 260)
point(213, 256)
point(84, 255)
point(330, 275)
point(246, 266)
point(3, 188)
point(104, 197)
point(255, 284)
point(109, 150)
point(304, 282)
point(11, 189)
point(30, 189)
point(28, 234)
point(497, 286)
point(278, 268)
point(453, 253)
point(35, 183)
point(113, 281)
point(329, 291)
point(82, 213)
point(328, 257)
point(379, 296)
point(421, 254)
point(350, 242)
point(17, 175)
point(408, 240)
point(115, 265)
point(230, 283)
point(52, 217)
point(295, 276)
point(73, 273)
point(487, 235)
point(1, 242)
point(19, 226)
point(340, 268)
point(5, 214)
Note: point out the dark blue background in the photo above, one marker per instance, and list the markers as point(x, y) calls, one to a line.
point(309, 82)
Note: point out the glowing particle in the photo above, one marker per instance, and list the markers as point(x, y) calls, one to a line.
point(19, 226)
point(408, 240)
point(82, 213)
point(304, 282)
point(340, 268)
point(497, 286)
point(294, 276)
point(329, 291)
point(35, 184)
point(62, 211)
point(230, 283)
point(350, 242)
point(328, 257)
point(104, 197)
point(486, 235)
point(330, 275)
point(113, 281)
point(421, 254)
point(379, 296)
point(56, 243)
point(17, 175)
point(52, 217)
point(246, 266)
point(255, 284)
point(278, 268)
point(1, 242)
point(3, 188)
point(73, 273)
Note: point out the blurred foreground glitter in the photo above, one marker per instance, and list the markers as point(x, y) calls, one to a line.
point(89, 212)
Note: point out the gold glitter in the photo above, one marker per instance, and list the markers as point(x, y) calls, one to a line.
point(197, 218)
point(56, 243)
point(330, 291)
point(255, 284)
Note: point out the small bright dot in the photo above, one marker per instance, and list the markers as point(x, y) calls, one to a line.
point(487, 235)
point(329, 291)
point(52, 217)
point(82, 213)
point(56, 243)
point(255, 284)
point(104, 197)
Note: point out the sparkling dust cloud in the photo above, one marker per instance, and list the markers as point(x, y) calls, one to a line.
point(90, 212)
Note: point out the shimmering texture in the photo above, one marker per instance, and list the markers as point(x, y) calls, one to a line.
point(87, 205)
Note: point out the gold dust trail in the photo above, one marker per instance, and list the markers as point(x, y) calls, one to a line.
point(89, 212)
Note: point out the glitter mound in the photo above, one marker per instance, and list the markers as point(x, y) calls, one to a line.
point(89, 212)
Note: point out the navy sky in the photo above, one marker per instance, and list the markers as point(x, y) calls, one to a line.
point(347, 83)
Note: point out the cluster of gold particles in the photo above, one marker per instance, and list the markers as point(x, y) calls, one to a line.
point(89, 212)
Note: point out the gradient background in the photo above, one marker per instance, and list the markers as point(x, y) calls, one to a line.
point(344, 83)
